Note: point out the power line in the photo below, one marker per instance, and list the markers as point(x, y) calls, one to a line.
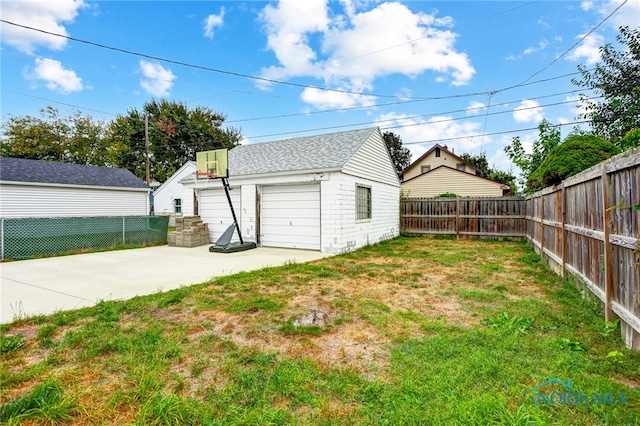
point(185, 64)
point(57, 102)
point(394, 103)
point(262, 79)
point(432, 141)
point(421, 116)
point(577, 42)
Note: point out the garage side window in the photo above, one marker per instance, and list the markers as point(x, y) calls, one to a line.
point(177, 205)
point(363, 202)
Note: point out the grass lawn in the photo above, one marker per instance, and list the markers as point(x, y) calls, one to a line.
point(418, 331)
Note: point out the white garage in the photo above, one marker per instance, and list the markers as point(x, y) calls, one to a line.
point(214, 210)
point(290, 216)
point(333, 192)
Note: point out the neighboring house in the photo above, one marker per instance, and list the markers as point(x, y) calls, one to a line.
point(444, 179)
point(173, 198)
point(334, 192)
point(435, 157)
point(440, 171)
point(33, 188)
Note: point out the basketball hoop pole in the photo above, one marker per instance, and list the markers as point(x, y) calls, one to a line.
point(225, 183)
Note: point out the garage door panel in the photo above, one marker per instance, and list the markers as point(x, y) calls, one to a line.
point(215, 211)
point(291, 216)
point(294, 222)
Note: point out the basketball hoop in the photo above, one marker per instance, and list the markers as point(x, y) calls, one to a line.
point(205, 175)
point(200, 180)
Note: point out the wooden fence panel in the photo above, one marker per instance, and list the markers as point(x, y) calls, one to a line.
point(501, 217)
point(595, 235)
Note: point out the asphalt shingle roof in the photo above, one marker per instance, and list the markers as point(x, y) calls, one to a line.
point(22, 170)
point(320, 152)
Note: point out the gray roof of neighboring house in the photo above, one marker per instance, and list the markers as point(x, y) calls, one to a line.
point(320, 152)
point(37, 171)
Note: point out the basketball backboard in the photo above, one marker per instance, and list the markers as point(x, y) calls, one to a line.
point(213, 164)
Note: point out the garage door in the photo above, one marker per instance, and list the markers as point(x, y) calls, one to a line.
point(291, 216)
point(214, 210)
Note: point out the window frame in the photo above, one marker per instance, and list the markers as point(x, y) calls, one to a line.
point(364, 201)
point(463, 169)
point(177, 205)
point(422, 169)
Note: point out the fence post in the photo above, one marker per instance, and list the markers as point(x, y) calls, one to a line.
point(457, 218)
point(564, 230)
point(123, 231)
point(608, 259)
point(542, 227)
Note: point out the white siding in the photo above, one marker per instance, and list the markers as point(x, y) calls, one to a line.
point(214, 210)
point(247, 216)
point(290, 216)
point(18, 200)
point(341, 232)
point(172, 189)
point(373, 162)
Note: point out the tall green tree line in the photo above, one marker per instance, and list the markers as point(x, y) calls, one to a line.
point(175, 134)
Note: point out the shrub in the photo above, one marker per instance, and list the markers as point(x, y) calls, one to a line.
point(577, 153)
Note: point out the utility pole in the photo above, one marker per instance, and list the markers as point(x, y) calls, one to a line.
point(146, 143)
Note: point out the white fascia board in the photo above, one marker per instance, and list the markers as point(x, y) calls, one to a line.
point(64, 185)
point(264, 179)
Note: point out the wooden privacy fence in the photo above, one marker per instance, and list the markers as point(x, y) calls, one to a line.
point(501, 217)
point(588, 226)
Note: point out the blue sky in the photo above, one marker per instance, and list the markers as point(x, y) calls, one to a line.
point(430, 71)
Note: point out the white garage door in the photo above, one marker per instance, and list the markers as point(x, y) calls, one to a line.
point(291, 216)
point(214, 209)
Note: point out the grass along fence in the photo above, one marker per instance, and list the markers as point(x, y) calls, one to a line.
point(566, 225)
point(500, 217)
point(588, 226)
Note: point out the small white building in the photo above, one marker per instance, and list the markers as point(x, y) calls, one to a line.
point(334, 192)
point(33, 188)
point(173, 198)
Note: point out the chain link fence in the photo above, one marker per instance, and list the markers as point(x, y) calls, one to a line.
point(38, 237)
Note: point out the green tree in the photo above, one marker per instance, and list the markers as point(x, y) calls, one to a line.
point(548, 138)
point(575, 154)
point(73, 139)
point(175, 132)
point(617, 79)
point(481, 163)
point(400, 155)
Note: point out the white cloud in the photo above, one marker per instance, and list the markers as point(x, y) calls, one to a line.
point(588, 50)
point(586, 5)
point(541, 46)
point(626, 16)
point(475, 108)
point(354, 49)
point(157, 80)
point(44, 15)
point(213, 21)
point(324, 99)
point(55, 76)
point(458, 136)
point(528, 111)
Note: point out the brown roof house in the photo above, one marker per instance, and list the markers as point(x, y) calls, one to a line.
point(440, 171)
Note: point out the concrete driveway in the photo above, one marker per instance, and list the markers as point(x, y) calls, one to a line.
point(45, 286)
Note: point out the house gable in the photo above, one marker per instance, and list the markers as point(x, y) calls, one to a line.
point(435, 157)
point(445, 179)
point(373, 161)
